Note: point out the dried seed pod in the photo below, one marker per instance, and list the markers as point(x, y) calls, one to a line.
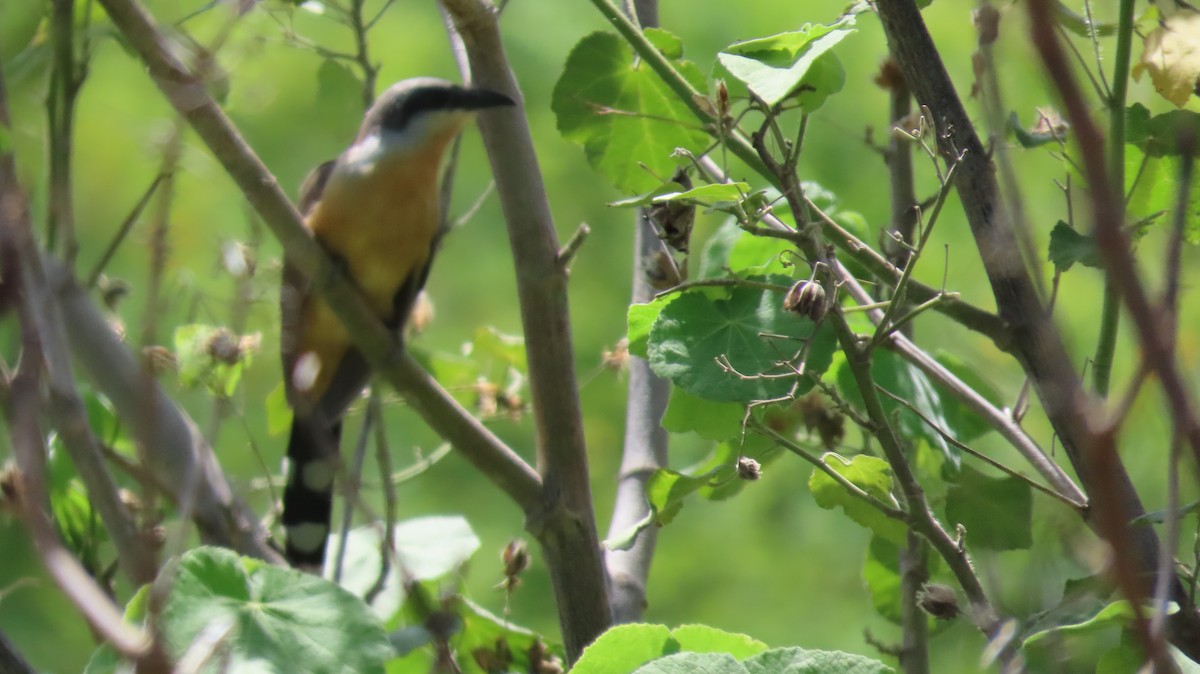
point(938, 601)
point(748, 469)
point(806, 298)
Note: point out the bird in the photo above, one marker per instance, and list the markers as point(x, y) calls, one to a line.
point(376, 211)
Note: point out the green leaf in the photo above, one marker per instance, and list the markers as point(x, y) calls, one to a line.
point(426, 548)
point(1068, 246)
point(1158, 136)
point(705, 639)
point(666, 490)
point(753, 255)
point(961, 420)
point(704, 195)
point(623, 114)
point(641, 318)
point(694, 330)
point(499, 350)
point(1160, 516)
point(801, 661)
point(798, 62)
point(714, 256)
point(710, 420)
point(881, 573)
point(293, 620)
point(279, 414)
point(908, 383)
point(483, 630)
point(623, 648)
point(1153, 187)
point(997, 512)
point(691, 663)
point(211, 356)
point(868, 473)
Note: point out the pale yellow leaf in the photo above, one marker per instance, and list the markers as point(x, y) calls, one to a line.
point(1171, 54)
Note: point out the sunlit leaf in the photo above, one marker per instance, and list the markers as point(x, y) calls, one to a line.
point(870, 474)
point(1171, 56)
point(749, 330)
point(623, 114)
point(798, 62)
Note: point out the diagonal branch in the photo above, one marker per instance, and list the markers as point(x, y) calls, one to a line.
point(187, 94)
point(1036, 344)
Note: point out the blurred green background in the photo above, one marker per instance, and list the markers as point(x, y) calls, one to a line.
point(768, 563)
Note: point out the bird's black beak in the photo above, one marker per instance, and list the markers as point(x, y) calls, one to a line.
point(479, 99)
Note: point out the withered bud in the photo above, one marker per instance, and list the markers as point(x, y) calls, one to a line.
point(987, 22)
point(12, 489)
point(890, 76)
point(238, 259)
point(806, 298)
point(616, 358)
point(938, 601)
point(498, 659)
point(223, 346)
point(515, 557)
point(112, 291)
point(748, 469)
point(422, 314)
point(159, 358)
point(722, 98)
point(156, 535)
point(542, 661)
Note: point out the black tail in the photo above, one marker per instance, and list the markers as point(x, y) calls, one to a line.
point(308, 498)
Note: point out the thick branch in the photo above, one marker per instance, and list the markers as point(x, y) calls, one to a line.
point(568, 536)
point(1036, 344)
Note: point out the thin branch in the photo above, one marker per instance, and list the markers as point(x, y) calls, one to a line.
point(1157, 344)
point(973, 452)
point(969, 316)
point(854, 490)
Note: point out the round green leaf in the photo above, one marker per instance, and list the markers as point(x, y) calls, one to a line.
point(295, 621)
point(750, 329)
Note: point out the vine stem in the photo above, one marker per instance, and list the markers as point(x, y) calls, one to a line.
point(1110, 311)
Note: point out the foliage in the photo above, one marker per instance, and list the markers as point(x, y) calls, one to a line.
point(748, 378)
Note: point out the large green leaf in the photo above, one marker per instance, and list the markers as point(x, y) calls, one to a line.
point(425, 548)
point(295, 621)
point(710, 420)
point(908, 383)
point(868, 473)
point(798, 62)
point(623, 114)
point(750, 329)
point(996, 512)
point(641, 318)
point(624, 648)
point(966, 424)
point(692, 663)
point(801, 661)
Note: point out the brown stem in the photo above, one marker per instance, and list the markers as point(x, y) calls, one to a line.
point(568, 533)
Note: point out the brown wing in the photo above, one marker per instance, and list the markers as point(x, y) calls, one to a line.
point(295, 285)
